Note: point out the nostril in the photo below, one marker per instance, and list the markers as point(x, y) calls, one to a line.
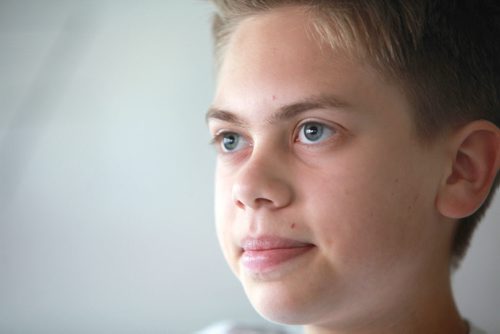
point(254, 204)
point(262, 202)
point(255, 188)
point(240, 204)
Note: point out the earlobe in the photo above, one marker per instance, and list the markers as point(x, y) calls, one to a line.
point(474, 165)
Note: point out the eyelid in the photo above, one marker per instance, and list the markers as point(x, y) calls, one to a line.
point(219, 132)
point(337, 130)
point(218, 138)
point(334, 127)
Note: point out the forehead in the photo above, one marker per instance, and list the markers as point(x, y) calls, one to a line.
point(280, 32)
point(275, 56)
point(270, 44)
point(274, 59)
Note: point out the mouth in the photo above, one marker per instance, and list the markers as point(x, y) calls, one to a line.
point(265, 254)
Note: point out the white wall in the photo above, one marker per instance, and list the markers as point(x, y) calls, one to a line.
point(477, 281)
point(106, 175)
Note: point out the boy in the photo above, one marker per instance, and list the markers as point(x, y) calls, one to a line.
point(358, 146)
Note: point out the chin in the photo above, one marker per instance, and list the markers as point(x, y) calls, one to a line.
point(277, 303)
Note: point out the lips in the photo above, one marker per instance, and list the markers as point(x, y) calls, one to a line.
point(267, 253)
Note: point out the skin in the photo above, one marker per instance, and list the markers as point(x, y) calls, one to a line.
point(364, 195)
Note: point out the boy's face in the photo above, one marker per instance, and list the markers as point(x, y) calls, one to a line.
point(324, 199)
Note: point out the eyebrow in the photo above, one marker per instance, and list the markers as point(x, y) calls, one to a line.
point(285, 112)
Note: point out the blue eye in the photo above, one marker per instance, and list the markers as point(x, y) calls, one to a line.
point(231, 142)
point(313, 132)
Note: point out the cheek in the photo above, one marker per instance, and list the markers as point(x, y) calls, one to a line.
point(223, 186)
point(223, 214)
point(226, 220)
point(367, 214)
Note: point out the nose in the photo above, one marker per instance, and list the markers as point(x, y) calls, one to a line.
point(262, 183)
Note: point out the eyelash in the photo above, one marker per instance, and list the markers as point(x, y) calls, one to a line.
point(333, 131)
point(324, 129)
point(218, 140)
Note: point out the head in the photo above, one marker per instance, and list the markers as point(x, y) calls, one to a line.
point(358, 148)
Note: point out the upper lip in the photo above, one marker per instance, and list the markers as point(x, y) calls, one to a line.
point(270, 242)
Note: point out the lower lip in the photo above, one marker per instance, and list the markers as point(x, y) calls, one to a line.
point(266, 260)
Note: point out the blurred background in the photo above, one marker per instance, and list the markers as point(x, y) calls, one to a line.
point(106, 220)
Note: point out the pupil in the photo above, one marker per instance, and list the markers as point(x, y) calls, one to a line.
point(230, 141)
point(313, 131)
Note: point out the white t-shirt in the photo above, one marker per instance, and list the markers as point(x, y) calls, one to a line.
point(229, 327)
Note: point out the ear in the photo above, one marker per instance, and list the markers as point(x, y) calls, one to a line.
point(474, 162)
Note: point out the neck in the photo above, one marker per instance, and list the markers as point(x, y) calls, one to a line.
point(432, 311)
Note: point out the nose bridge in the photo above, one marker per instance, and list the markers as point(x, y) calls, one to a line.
point(263, 181)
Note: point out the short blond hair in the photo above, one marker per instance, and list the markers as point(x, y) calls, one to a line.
point(442, 53)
